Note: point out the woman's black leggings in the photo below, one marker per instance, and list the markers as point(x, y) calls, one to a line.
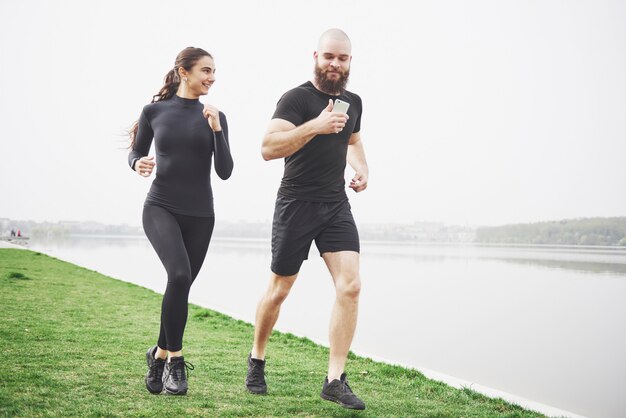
point(181, 242)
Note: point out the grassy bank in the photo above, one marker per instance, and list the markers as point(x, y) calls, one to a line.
point(75, 340)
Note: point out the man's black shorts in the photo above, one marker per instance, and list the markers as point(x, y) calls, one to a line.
point(297, 223)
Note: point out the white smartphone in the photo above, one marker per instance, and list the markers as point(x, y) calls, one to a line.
point(341, 106)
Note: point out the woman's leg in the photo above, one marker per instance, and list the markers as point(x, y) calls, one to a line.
point(196, 235)
point(197, 232)
point(181, 243)
point(165, 235)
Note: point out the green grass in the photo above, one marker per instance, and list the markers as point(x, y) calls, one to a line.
point(74, 345)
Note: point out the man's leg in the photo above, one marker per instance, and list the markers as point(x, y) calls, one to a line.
point(266, 316)
point(268, 310)
point(344, 268)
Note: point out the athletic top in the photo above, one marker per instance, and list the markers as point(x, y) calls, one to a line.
point(184, 143)
point(316, 172)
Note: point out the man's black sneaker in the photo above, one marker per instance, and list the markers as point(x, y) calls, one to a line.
point(339, 391)
point(175, 376)
point(154, 377)
point(255, 379)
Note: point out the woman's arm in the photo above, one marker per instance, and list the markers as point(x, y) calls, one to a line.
point(222, 156)
point(137, 157)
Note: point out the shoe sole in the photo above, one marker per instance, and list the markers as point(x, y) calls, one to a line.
point(264, 392)
point(168, 392)
point(154, 392)
point(338, 402)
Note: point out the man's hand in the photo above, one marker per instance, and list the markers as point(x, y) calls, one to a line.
point(144, 166)
point(329, 122)
point(359, 182)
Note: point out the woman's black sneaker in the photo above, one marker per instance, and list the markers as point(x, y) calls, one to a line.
point(154, 377)
point(175, 376)
point(339, 391)
point(255, 379)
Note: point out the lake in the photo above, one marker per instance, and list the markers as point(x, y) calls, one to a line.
point(542, 326)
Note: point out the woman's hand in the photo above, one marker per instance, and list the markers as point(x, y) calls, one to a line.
point(144, 166)
point(213, 116)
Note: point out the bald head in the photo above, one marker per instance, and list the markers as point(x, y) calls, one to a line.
point(334, 36)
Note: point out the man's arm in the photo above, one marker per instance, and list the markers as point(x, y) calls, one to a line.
point(283, 138)
point(356, 159)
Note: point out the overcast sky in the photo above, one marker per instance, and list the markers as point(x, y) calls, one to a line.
point(475, 112)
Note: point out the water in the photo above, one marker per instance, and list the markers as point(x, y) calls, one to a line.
point(545, 324)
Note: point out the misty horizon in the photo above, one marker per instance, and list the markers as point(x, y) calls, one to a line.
point(475, 114)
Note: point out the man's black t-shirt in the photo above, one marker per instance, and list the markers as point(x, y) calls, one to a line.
point(184, 145)
point(315, 172)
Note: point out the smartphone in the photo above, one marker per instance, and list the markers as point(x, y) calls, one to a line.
point(341, 106)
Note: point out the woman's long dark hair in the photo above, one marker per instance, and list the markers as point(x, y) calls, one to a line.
point(186, 59)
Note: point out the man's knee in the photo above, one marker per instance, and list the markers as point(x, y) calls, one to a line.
point(349, 288)
point(279, 288)
point(277, 296)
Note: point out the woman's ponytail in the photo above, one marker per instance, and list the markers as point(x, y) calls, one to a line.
point(170, 86)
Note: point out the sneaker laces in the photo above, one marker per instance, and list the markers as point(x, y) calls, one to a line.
point(257, 371)
point(156, 370)
point(177, 370)
point(347, 388)
point(345, 383)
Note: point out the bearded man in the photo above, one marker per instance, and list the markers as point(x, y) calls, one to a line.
point(312, 205)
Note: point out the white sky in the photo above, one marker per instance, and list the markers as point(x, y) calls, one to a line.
point(475, 113)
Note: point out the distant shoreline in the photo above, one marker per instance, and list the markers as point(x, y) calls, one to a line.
point(265, 242)
point(403, 243)
point(602, 233)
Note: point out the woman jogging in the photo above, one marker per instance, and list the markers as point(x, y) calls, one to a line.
point(178, 215)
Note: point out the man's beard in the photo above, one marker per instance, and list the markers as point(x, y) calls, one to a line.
point(331, 86)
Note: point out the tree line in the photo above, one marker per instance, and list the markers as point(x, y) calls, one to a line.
point(586, 231)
